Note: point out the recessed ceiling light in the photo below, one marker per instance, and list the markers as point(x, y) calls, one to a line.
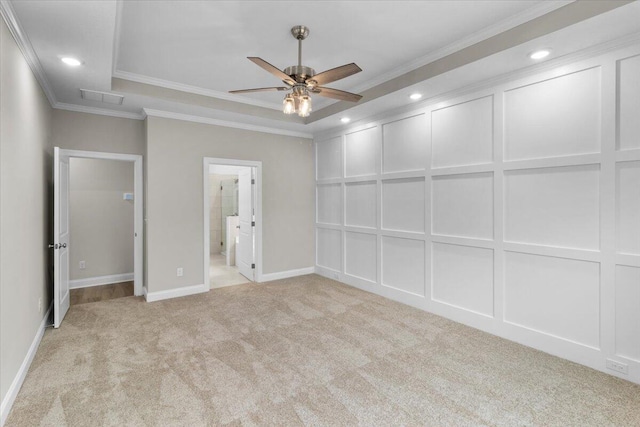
point(345, 120)
point(539, 54)
point(72, 62)
point(415, 96)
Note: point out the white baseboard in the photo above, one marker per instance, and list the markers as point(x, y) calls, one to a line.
point(286, 274)
point(12, 393)
point(175, 293)
point(100, 280)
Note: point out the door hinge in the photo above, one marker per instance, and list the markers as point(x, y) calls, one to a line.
point(253, 181)
point(221, 187)
point(253, 266)
point(253, 223)
point(221, 243)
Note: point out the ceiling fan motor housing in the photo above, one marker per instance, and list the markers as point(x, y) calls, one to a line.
point(300, 72)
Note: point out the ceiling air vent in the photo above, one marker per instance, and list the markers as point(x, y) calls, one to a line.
point(107, 98)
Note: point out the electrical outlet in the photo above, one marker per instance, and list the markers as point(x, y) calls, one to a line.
point(620, 367)
point(83, 265)
point(179, 272)
point(40, 305)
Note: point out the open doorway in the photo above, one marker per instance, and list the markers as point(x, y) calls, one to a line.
point(101, 229)
point(232, 221)
point(64, 242)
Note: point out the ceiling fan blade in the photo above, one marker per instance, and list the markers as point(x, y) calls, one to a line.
point(337, 94)
point(261, 89)
point(273, 70)
point(335, 74)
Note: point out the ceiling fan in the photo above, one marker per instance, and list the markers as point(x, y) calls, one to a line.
point(302, 80)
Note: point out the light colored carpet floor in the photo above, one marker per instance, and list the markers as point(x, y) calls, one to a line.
point(301, 351)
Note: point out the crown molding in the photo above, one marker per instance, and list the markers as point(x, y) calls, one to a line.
point(100, 111)
point(627, 41)
point(224, 123)
point(22, 40)
point(536, 11)
point(138, 78)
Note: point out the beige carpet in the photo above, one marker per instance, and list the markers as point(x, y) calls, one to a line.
point(301, 351)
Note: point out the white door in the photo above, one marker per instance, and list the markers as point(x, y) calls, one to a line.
point(61, 236)
point(245, 212)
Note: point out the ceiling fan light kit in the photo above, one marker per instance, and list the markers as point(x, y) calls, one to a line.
point(302, 80)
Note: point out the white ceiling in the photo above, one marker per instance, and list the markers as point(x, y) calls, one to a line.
point(200, 47)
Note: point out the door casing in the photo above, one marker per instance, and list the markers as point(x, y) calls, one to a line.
point(138, 188)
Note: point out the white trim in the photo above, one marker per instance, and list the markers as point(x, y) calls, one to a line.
point(100, 280)
point(23, 42)
point(138, 200)
point(100, 111)
point(267, 277)
point(16, 384)
point(509, 23)
point(225, 123)
point(175, 293)
point(473, 88)
point(206, 163)
point(167, 84)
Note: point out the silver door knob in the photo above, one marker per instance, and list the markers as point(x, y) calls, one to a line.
point(64, 245)
point(51, 246)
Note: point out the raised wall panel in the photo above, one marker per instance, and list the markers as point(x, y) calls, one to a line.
point(462, 205)
point(628, 207)
point(361, 152)
point(629, 103)
point(557, 206)
point(556, 117)
point(463, 134)
point(329, 248)
point(330, 204)
point(628, 312)
point(403, 205)
point(463, 276)
point(403, 264)
point(329, 158)
point(405, 144)
point(361, 255)
point(361, 204)
point(557, 296)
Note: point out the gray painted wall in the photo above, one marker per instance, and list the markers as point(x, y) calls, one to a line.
point(175, 150)
point(25, 207)
point(101, 221)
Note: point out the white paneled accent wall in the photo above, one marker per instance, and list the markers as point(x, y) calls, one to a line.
point(514, 208)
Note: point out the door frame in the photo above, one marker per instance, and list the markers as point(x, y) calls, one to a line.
point(257, 200)
point(138, 200)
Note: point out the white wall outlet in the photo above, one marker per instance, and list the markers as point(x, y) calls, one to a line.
point(180, 272)
point(620, 367)
point(83, 265)
point(40, 305)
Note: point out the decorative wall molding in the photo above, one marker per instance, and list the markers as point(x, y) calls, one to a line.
point(100, 280)
point(16, 384)
point(286, 274)
point(224, 123)
point(504, 245)
point(7, 12)
point(175, 293)
point(590, 52)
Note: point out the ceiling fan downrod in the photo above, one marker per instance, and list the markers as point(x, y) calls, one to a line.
point(300, 32)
